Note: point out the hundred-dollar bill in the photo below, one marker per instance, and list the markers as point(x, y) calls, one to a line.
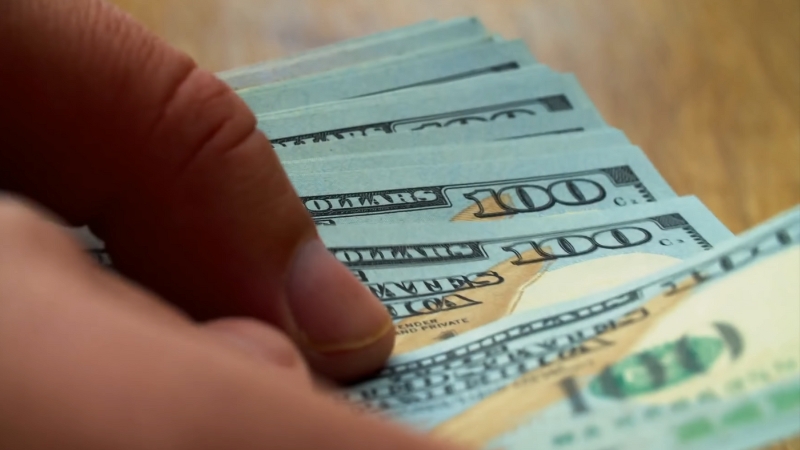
point(330, 50)
point(510, 127)
point(440, 280)
point(393, 33)
point(532, 91)
point(355, 52)
point(92, 244)
point(700, 352)
point(542, 171)
point(442, 66)
point(523, 148)
point(383, 60)
point(746, 418)
point(487, 189)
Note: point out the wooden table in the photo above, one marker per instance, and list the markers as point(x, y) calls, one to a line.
point(710, 89)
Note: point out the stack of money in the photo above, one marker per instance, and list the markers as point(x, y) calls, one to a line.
point(549, 288)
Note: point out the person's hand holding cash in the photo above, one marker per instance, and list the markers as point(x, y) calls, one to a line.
point(106, 125)
point(432, 192)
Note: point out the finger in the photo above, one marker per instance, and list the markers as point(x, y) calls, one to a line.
point(262, 342)
point(81, 371)
point(36, 245)
point(107, 125)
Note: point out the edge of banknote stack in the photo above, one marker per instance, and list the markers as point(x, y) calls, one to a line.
point(549, 288)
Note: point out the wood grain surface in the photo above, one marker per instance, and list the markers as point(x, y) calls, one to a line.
point(710, 89)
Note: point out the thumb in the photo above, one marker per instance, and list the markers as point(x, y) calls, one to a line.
point(111, 127)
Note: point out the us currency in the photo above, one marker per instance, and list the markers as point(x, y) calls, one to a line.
point(757, 417)
point(556, 149)
point(332, 48)
point(356, 52)
point(501, 128)
point(532, 91)
point(92, 244)
point(383, 60)
point(331, 51)
point(441, 66)
point(439, 280)
point(495, 187)
point(523, 148)
point(696, 354)
point(393, 99)
point(630, 181)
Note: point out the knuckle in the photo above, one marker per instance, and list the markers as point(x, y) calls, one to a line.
point(24, 227)
point(264, 341)
point(17, 216)
point(203, 114)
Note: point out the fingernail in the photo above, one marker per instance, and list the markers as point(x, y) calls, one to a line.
point(332, 310)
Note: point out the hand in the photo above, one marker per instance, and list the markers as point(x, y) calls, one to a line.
point(90, 361)
point(107, 126)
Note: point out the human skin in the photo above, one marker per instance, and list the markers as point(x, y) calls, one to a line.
point(226, 296)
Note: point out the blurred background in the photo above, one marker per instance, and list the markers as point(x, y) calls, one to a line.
point(709, 89)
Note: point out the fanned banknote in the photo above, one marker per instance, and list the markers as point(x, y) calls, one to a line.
point(499, 128)
point(439, 280)
point(531, 91)
point(455, 62)
point(484, 189)
point(405, 41)
point(325, 50)
point(548, 288)
point(524, 148)
point(705, 353)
